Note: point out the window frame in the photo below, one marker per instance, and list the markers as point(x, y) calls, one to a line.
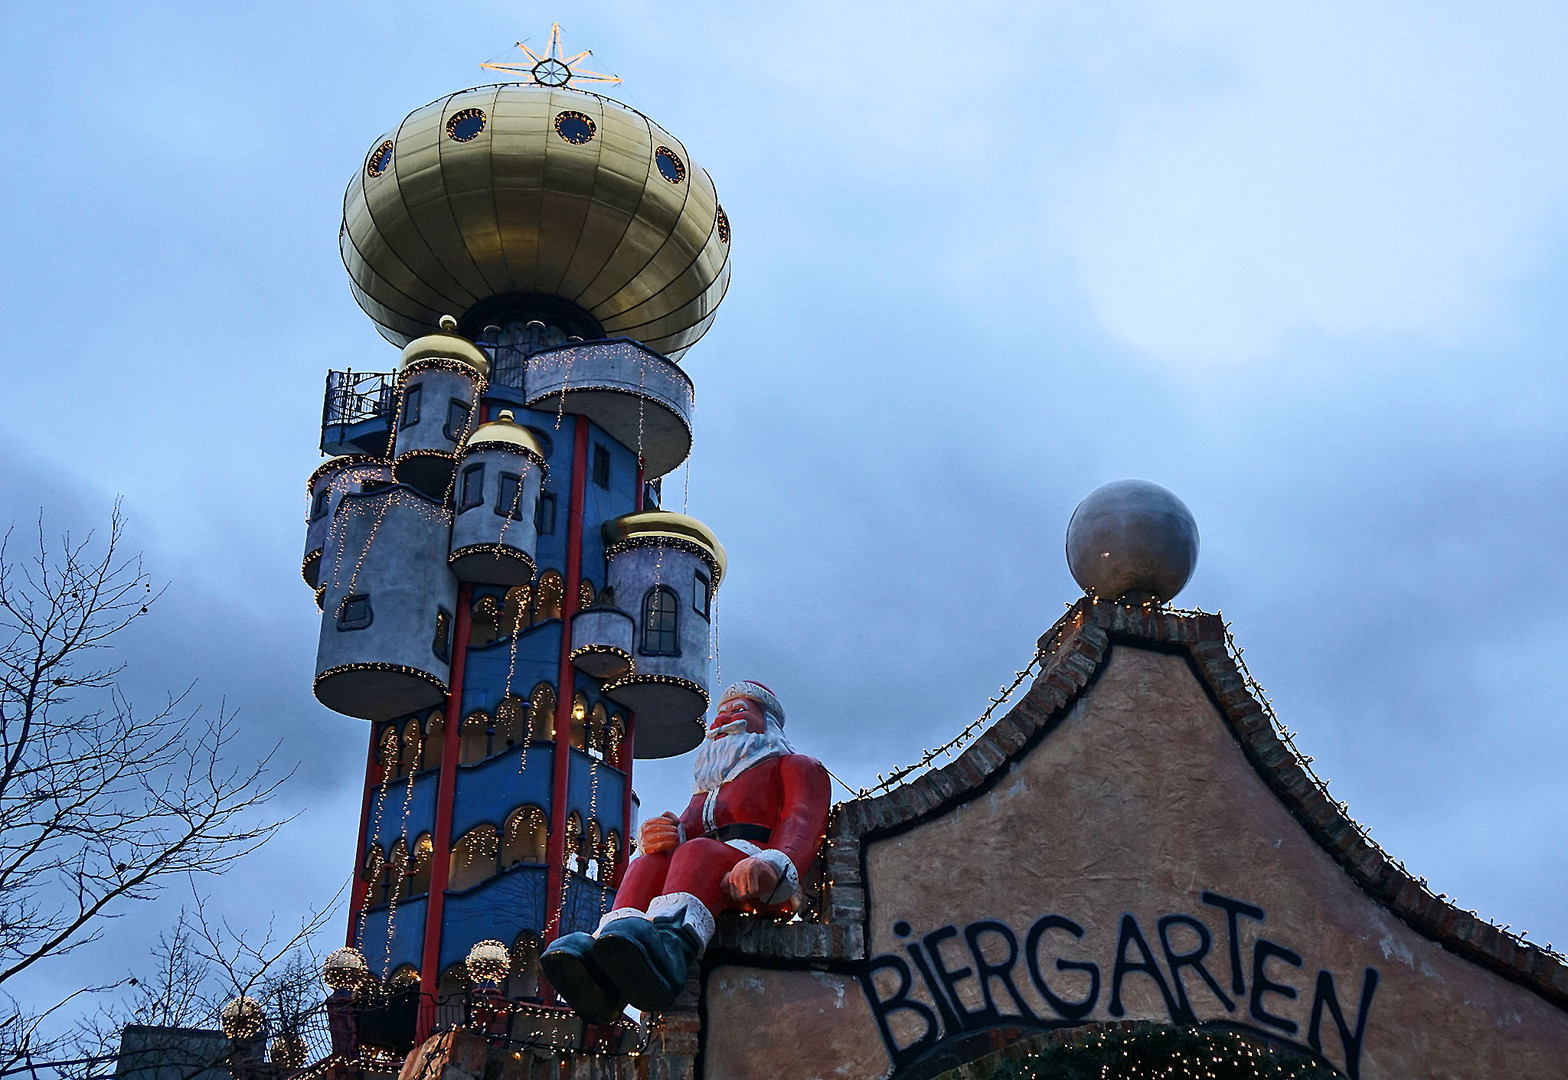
point(413, 396)
point(509, 508)
point(699, 579)
point(648, 630)
point(456, 435)
point(471, 492)
point(441, 643)
point(345, 624)
point(544, 514)
point(600, 463)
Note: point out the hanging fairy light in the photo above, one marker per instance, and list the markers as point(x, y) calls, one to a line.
point(241, 1019)
point(344, 969)
point(488, 962)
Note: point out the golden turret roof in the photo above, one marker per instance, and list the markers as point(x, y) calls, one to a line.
point(667, 525)
point(505, 431)
point(546, 193)
point(445, 345)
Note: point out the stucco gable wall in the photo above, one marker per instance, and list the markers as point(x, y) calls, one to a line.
point(1126, 812)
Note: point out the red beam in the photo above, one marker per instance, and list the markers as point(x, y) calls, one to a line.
point(556, 849)
point(441, 838)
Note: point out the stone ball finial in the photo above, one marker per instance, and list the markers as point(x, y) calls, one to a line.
point(448, 323)
point(1132, 540)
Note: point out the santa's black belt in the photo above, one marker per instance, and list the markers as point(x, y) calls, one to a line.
point(757, 834)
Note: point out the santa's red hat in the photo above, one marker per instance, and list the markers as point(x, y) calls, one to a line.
point(758, 693)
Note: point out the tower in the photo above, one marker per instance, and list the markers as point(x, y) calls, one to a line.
point(502, 597)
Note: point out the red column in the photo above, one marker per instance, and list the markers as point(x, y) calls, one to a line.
point(441, 835)
point(556, 849)
point(356, 902)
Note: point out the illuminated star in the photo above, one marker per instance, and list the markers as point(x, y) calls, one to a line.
point(552, 69)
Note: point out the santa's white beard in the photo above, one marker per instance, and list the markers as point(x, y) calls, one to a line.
point(721, 760)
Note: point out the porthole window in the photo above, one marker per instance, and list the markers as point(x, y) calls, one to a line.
point(574, 127)
point(724, 226)
point(379, 160)
point(465, 125)
point(670, 166)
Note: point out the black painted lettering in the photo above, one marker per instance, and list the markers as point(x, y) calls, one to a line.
point(949, 1018)
point(1232, 909)
point(1130, 934)
point(1262, 952)
point(951, 979)
point(1194, 960)
point(1350, 1042)
point(986, 971)
point(1068, 1010)
point(900, 1000)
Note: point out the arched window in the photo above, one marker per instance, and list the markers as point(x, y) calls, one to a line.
point(388, 754)
point(612, 857)
point(574, 842)
point(474, 738)
point(413, 748)
point(405, 976)
point(585, 594)
point(526, 837)
point(514, 613)
point(661, 621)
point(615, 739)
point(397, 870)
point(598, 723)
point(579, 723)
point(511, 722)
point(435, 736)
point(522, 981)
point(473, 857)
point(419, 877)
point(547, 604)
point(594, 852)
point(453, 984)
point(541, 712)
point(484, 621)
point(373, 872)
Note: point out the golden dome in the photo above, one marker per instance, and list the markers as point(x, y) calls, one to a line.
point(667, 525)
point(503, 429)
point(445, 345)
point(515, 194)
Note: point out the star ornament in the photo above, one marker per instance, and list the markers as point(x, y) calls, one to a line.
point(552, 68)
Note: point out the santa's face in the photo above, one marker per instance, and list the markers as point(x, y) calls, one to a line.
point(735, 709)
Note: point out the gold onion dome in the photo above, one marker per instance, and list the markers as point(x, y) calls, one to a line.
point(506, 431)
point(667, 525)
point(521, 201)
point(445, 345)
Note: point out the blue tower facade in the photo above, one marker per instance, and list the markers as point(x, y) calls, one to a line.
point(501, 596)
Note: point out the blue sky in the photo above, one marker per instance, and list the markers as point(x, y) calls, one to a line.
point(1303, 266)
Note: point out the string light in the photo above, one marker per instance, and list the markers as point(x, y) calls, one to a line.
point(241, 1019)
point(488, 962)
point(344, 969)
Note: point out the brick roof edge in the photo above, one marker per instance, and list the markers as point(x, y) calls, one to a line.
point(1072, 653)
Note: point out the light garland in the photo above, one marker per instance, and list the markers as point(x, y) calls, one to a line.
point(664, 542)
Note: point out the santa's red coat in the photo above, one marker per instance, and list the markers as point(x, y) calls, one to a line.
point(788, 796)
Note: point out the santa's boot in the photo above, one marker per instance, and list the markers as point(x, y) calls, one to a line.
point(570, 966)
point(648, 958)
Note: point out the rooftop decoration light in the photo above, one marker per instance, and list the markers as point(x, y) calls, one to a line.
point(488, 962)
point(344, 969)
point(241, 1019)
point(552, 69)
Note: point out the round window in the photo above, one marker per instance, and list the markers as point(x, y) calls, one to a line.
point(670, 165)
point(465, 125)
point(574, 127)
point(380, 158)
point(724, 226)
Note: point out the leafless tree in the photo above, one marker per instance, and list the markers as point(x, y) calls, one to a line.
point(101, 805)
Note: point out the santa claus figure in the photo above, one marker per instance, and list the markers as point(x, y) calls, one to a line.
point(752, 830)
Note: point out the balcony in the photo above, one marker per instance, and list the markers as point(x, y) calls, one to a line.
point(356, 417)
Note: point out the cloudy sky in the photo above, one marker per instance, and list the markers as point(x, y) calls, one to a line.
point(1304, 266)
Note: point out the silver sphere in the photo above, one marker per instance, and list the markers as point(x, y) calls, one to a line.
point(1132, 540)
